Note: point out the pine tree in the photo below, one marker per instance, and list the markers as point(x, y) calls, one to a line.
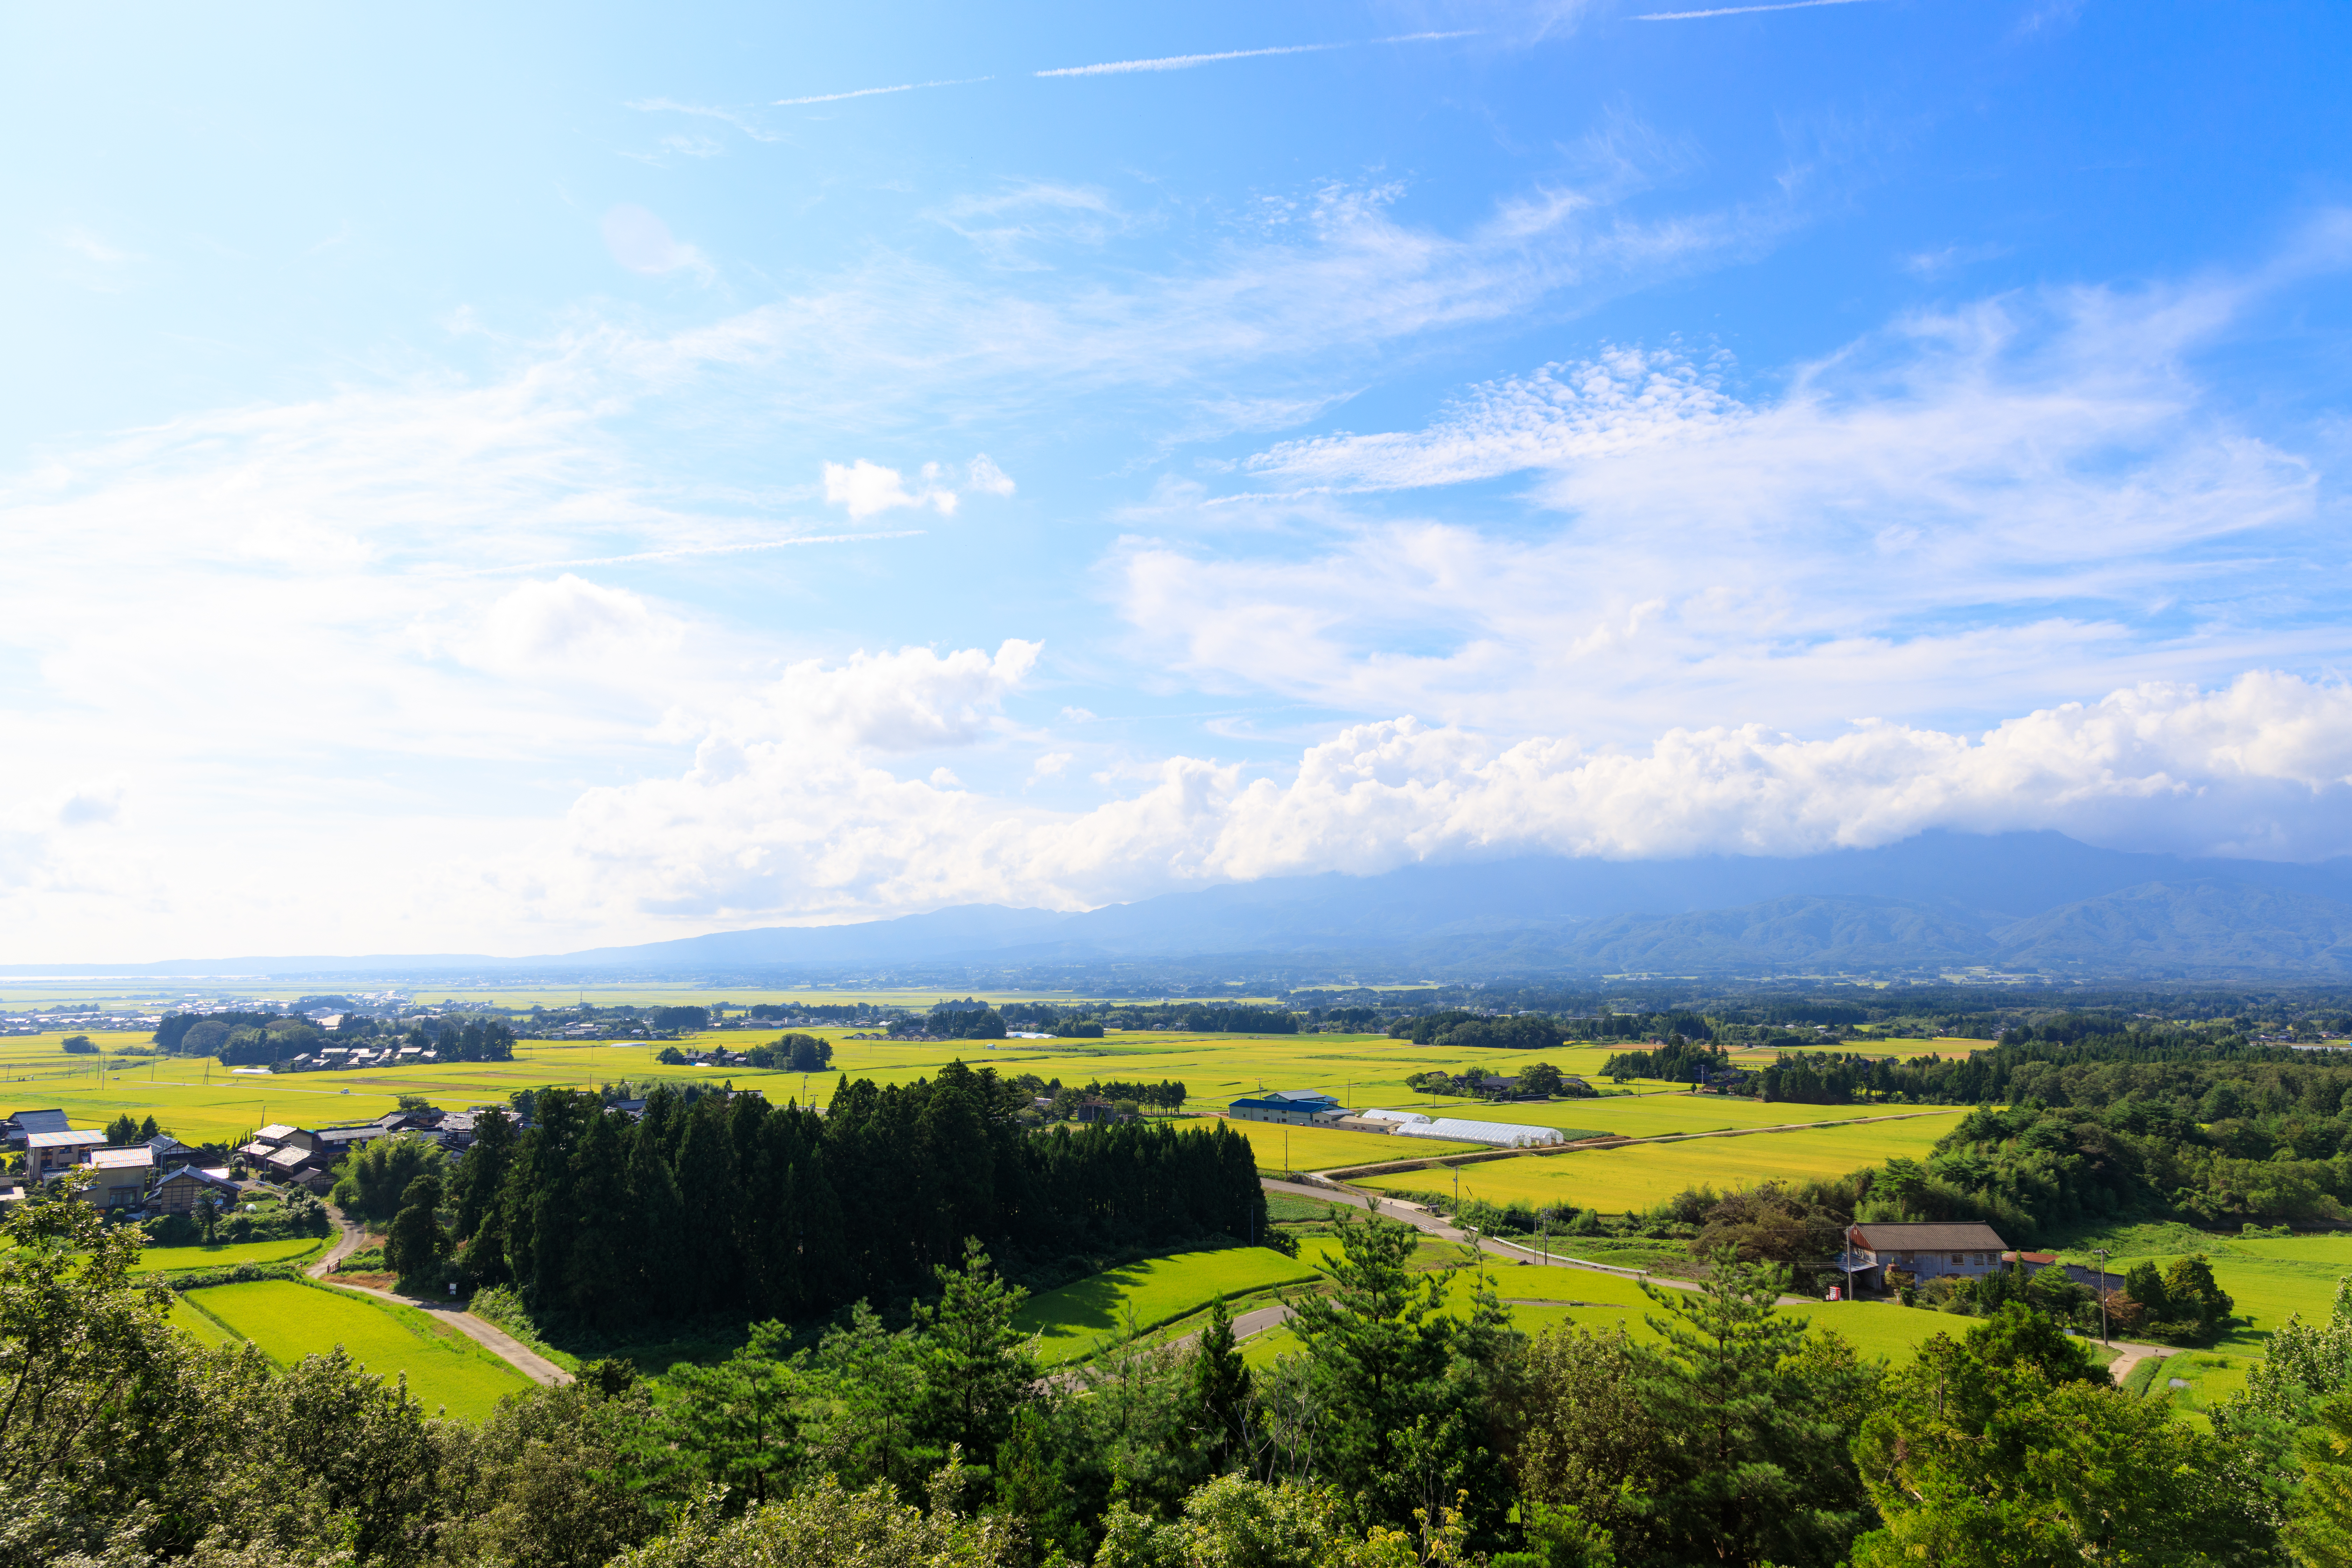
point(1758, 1468)
point(1220, 1393)
point(977, 1370)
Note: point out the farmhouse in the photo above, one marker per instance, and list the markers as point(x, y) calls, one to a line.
point(1296, 1106)
point(180, 1191)
point(23, 1124)
point(119, 1176)
point(1924, 1251)
point(46, 1153)
point(169, 1150)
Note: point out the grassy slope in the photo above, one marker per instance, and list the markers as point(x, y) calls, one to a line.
point(1641, 1174)
point(290, 1320)
point(1078, 1319)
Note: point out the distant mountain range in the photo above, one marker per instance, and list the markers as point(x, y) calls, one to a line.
point(2018, 902)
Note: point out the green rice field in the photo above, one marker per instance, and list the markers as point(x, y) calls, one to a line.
point(1636, 1176)
point(1279, 1148)
point(1078, 1319)
point(228, 1255)
point(446, 1372)
point(197, 1326)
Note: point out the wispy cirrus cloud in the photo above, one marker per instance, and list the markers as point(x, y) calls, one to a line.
point(1741, 10)
point(1952, 513)
point(1123, 67)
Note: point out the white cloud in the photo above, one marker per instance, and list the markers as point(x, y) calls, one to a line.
point(910, 700)
point(2261, 767)
point(1612, 403)
point(1962, 514)
point(865, 487)
point(571, 627)
point(642, 242)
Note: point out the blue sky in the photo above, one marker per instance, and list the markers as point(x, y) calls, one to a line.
point(585, 474)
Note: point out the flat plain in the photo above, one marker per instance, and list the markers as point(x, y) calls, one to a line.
point(290, 1320)
point(1279, 1148)
point(200, 1099)
point(1637, 1176)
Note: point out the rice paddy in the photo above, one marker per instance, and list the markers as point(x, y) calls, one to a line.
point(227, 1255)
point(1638, 1176)
point(1079, 1319)
point(198, 1099)
point(289, 1319)
point(1281, 1148)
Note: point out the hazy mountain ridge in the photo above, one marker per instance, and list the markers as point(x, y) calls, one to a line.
point(2016, 901)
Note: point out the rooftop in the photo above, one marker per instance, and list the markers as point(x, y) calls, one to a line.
point(64, 1140)
point(1942, 1238)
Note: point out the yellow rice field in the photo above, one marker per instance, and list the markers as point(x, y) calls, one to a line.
point(1636, 1176)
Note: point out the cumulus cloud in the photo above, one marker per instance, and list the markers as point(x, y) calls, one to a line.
point(2261, 767)
point(910, 700)
point(570, 627)
point(863, 488)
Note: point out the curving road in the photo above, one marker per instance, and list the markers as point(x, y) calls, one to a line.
point(481, 1330)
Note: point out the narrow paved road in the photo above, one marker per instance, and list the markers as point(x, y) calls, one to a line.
point(1443, 1229)
point(481, 1330)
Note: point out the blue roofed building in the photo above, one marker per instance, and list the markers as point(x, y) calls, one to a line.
point(1300, 1106)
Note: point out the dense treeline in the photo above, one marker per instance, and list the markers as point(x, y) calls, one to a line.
point(730, 1205)
point(469, 1039)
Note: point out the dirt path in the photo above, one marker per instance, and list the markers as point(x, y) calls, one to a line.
point(352, 1238)
point(481, 1330)
point(2131, 1356)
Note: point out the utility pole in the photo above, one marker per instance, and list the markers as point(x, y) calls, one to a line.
point(2103, 1293)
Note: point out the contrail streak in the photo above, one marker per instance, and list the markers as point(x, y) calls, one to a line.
point(870, 91)
point(1185, 62)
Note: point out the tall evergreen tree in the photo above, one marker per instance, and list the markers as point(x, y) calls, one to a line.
point(976, 1369)
point(1757, 1471)
point(414, 1244)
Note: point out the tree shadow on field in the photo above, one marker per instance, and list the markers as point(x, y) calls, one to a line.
point(1087, 1310)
